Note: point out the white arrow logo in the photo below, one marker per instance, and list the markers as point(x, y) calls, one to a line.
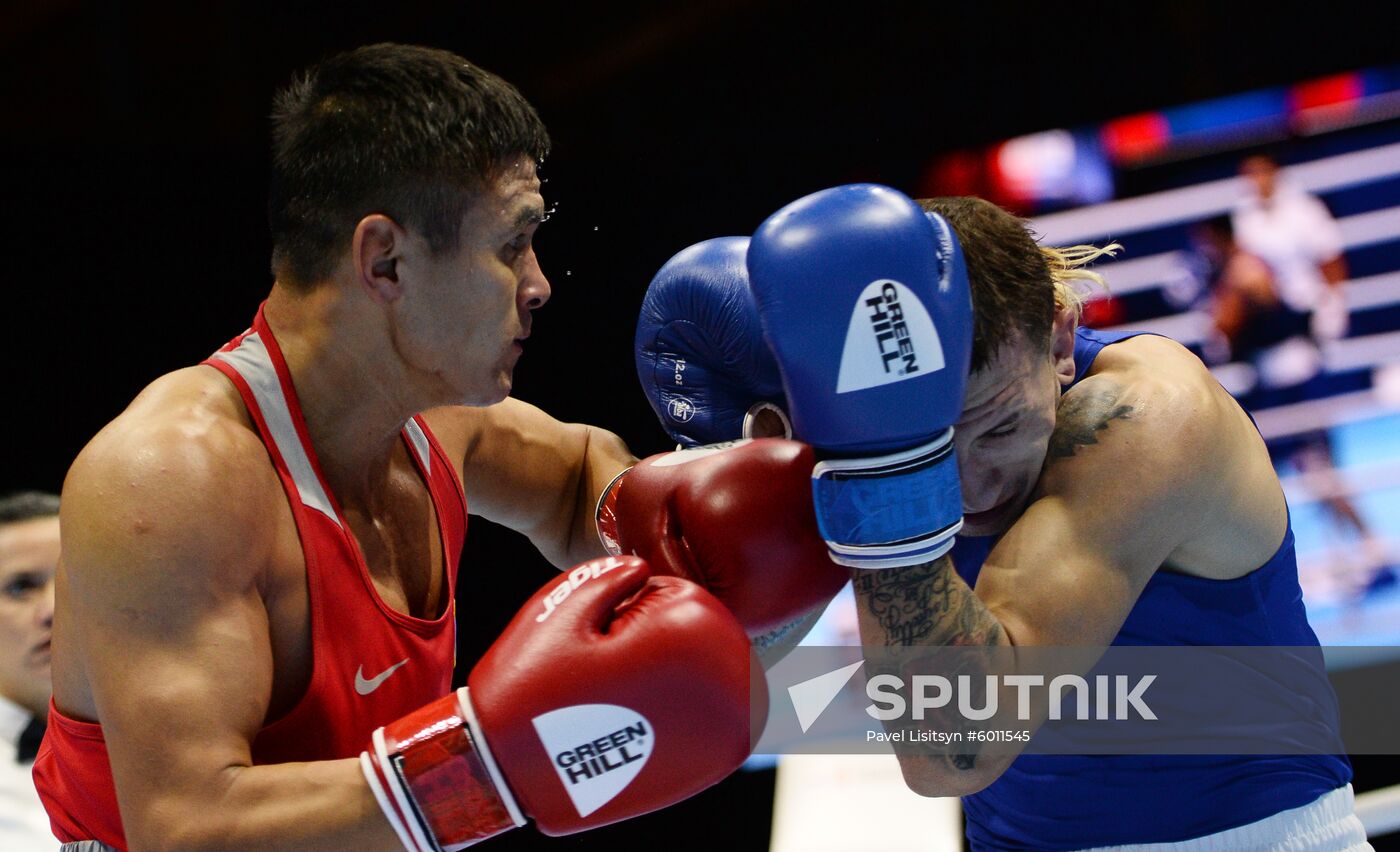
point(811, 697)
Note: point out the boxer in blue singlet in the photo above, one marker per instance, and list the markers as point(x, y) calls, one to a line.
point(1114, 494)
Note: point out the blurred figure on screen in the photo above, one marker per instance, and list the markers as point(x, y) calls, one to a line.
point(1246, 314)
point(1295, 234)
point(1259, 320)
point(28, 558)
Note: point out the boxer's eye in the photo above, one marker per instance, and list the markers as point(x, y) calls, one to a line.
point(1007, 428)
point(20, 585)
point(517, 246)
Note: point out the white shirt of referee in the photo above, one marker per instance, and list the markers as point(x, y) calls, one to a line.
point(1293, 233)
point(24, 825)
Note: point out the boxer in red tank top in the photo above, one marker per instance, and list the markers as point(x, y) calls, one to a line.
point(260, 551)
point(253, 628)
point(370, 663)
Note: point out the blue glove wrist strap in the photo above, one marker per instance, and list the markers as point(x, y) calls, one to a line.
point(887, 511)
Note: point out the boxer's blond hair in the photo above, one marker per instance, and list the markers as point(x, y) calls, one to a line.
point(1069, 272)
point(1017, 284)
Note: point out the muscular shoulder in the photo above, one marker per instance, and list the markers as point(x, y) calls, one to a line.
point(181, 474)
point(1148, 413)
point(1151, 451)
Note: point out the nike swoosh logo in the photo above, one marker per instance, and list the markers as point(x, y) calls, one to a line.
point(365, 687)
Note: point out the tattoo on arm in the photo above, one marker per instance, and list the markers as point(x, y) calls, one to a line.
point(926, 605)
point(1082, 415)
point(929, 605)
point(775, 637)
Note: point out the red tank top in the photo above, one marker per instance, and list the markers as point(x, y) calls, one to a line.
point(371, 664)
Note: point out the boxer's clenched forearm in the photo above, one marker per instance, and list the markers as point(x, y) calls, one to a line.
point(929, 605)
point(301, 806)
point(925, 604)
point(536, 475)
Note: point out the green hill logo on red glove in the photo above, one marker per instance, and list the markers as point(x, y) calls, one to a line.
point(596, 749)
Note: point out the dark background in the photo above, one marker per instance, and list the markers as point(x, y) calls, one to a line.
point(134, 169)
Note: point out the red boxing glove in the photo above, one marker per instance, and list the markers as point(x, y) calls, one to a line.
point(608, 696)
point(737, 519)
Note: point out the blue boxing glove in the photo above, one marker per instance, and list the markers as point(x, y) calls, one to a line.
point(699, 348)
point(864, 301)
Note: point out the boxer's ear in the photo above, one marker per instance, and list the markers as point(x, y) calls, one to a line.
point(1062, 344)
point(375, 250)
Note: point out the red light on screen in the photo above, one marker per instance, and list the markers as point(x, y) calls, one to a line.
point(1136, 137)
point(955, 173)
point(1325, 92)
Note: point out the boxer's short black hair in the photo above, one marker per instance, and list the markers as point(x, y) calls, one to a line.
point(410, 132)
point(27, 505)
